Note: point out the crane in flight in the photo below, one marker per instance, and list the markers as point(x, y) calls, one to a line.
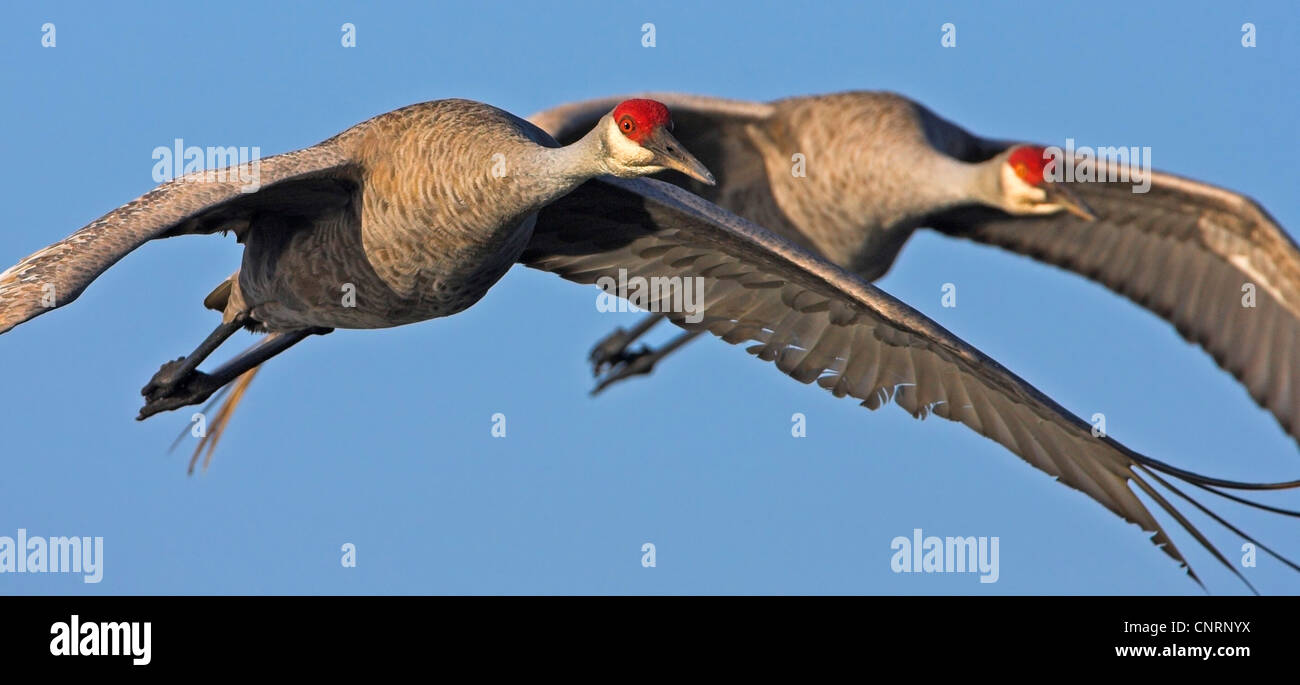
point(410, 210)
point(878, 166)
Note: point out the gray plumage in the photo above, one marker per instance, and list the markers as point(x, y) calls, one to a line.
point(404, 208)
point(880, 165)
point(819, 323)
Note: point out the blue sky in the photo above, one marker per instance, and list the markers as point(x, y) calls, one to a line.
point(382, 438)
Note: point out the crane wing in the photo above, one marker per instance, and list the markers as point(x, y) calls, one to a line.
point(1185, 250)
point(300, 182)
point(1192, 253)
point(819, 323)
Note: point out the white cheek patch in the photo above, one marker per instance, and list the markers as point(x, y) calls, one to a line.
point(624, 151)
point(1023, 197)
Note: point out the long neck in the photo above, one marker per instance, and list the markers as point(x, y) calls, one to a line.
point(952, 182)
point(558, 170)
point(584, 158)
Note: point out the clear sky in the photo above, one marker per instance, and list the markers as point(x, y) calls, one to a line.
point(382, 439)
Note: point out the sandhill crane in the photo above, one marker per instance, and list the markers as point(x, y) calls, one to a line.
point(405, 208)
point(416, 212)
point(879, 166)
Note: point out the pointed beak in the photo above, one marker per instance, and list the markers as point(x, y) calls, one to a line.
point(670, 153)
point(1060, 194)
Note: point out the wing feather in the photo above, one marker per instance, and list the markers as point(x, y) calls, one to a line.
point(201, 202)
point(1185, 250)
point(825, 324)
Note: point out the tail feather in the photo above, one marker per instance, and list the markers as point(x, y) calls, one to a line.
point(232, 393)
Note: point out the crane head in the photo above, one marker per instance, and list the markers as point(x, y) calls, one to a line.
point(1029, 162)
point(639, 142)
point(1027, 188)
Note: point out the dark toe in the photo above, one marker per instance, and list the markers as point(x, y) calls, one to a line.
point(193, 389)
point(163, 379)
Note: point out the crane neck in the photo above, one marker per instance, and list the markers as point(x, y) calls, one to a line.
point(584, 159)
point(542, 173)
point(958, 182)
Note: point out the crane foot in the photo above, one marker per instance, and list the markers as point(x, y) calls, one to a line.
point(166, 379)
point(611, 351)
point(194, 388)
point(173, 373)
point(626, 365)
point(623, 364)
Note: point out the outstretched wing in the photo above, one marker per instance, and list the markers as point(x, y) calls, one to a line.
point(305, 181)
point(1211, 262)
point(1185, 250)
point(819, 323)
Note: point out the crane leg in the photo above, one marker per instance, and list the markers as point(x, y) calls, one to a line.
point(197, 386)
point(612, 349)
point(174, 372)
point(641, 362)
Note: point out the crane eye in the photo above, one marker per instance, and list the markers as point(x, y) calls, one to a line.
point(627, 124)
